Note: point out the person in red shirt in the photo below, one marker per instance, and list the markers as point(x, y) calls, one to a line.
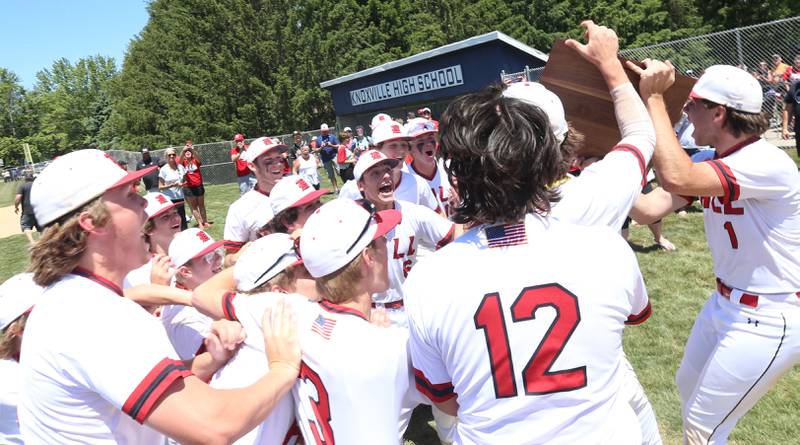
point(244, 176)
point(193, 191)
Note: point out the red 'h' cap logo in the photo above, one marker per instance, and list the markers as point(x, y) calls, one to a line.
point(302, 184)
point(395, 129)
point(376, 155)
point(203, 236)
point(161, 199)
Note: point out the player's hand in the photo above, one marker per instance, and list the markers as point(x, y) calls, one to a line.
point(279, 327)
point(784, 134)
point(602, 44)
point(223, 340)
point(16, 209)
point(162, 271)
point(655, 78)
point(379, 317)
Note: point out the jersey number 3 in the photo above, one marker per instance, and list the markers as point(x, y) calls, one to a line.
point(537, 376)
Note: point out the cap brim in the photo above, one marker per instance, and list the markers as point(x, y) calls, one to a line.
point(310, 197)
point(398, 138)
point(133, 176)
point(423, 133)
point(694, 95)
point(386, 221)
point(391, 161)
point(162, 210)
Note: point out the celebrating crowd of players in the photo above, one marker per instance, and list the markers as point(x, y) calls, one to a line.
point(314, 323)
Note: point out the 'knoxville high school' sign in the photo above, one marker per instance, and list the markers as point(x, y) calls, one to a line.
point(407, 86)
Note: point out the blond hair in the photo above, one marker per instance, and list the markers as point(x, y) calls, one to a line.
point(63, 242)
point(285, 280)
point(340, 286)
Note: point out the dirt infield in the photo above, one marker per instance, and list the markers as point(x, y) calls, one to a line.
point(9, 222)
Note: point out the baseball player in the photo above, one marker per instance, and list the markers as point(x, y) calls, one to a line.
point(354, 374)
point(605, 191)
point(99, 369)
point(196, 257)
point(423, 133)
point(533, 350)
point(163, 223)
point(293, 200)
point(745, 337)
point(391, 140)
point(250, 212)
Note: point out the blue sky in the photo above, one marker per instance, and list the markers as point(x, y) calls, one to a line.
point(34, 33)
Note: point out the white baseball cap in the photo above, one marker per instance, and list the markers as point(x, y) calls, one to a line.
point(347, 129)
point(323, 127)
point(386, 132)
point(339, 231)
point(370, 158)
point(17, 295)
point(190, 244)
point(264, 259)
point(729, 86)
point(293, 191)
point(537, 94)
point(74, 179)
point(157, 203)
point(419, 126)
point(262, 145)
point(378, 119)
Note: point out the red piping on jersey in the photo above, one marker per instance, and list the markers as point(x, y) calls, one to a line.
point(436, 392)
point(729, 184)
point(639, 158)
point(641, 316)
point(339, 309)
point(108, 284)
point(447, 238)
point(180, 286)
point(737, 147)
point(142, 399)
point(429, 178)
point(228, 309)
point(232, 246)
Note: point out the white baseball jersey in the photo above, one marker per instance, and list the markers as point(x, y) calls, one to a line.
point(353, 378)
point(245, 216)
point(10, 382)
point(95, 363)
point(250, 362)
point(530, 334)
point(753, 230)
point(605, 191)
point(186, 329)
point(138, 276)
point(411, 188)
point(439, 185)
point(419, 226)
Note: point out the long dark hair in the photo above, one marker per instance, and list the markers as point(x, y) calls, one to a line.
point(501, 156)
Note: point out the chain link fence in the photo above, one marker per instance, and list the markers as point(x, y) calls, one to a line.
point(215, 157)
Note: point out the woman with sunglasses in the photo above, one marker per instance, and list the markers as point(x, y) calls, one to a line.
point(194, 190)
point(171, 180)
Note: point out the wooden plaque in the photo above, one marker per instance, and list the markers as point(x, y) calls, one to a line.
point(587, 102)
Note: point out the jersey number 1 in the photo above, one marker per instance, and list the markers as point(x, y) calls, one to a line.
point(537, 376)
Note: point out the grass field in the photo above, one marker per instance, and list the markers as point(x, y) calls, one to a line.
point(7, 192)
point(678, 282)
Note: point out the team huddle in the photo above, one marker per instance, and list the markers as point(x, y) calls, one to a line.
point(449, 281)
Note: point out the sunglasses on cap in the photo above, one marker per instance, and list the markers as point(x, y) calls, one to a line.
point(369, 207)
point(215, 256)
point(295, 250)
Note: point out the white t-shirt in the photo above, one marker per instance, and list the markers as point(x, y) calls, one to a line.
point(552, 319)
point(186, 329)
point(245, 217)
point(94, 365)
point(10, 382)
point(172, 177)
point(753, 230)
point(411, 188)
point(439, 185)
point(307, 169)
point(138, 276)
point(420, 226)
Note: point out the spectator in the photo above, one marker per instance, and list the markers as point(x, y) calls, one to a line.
point(327, 146)
point(150, 180)
point(349, 132)
point(410, 115)
point(361, 142)
point(171, 180)
point(345, 157)
point(27, 221)
point(297, 143)
point(426, 113)
point(194, 190)
point(792, 109)
point(306, 167)
point(792, 74)
point(244, 176)
point(778, 66)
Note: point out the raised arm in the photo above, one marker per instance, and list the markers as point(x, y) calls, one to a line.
point(207, 298)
